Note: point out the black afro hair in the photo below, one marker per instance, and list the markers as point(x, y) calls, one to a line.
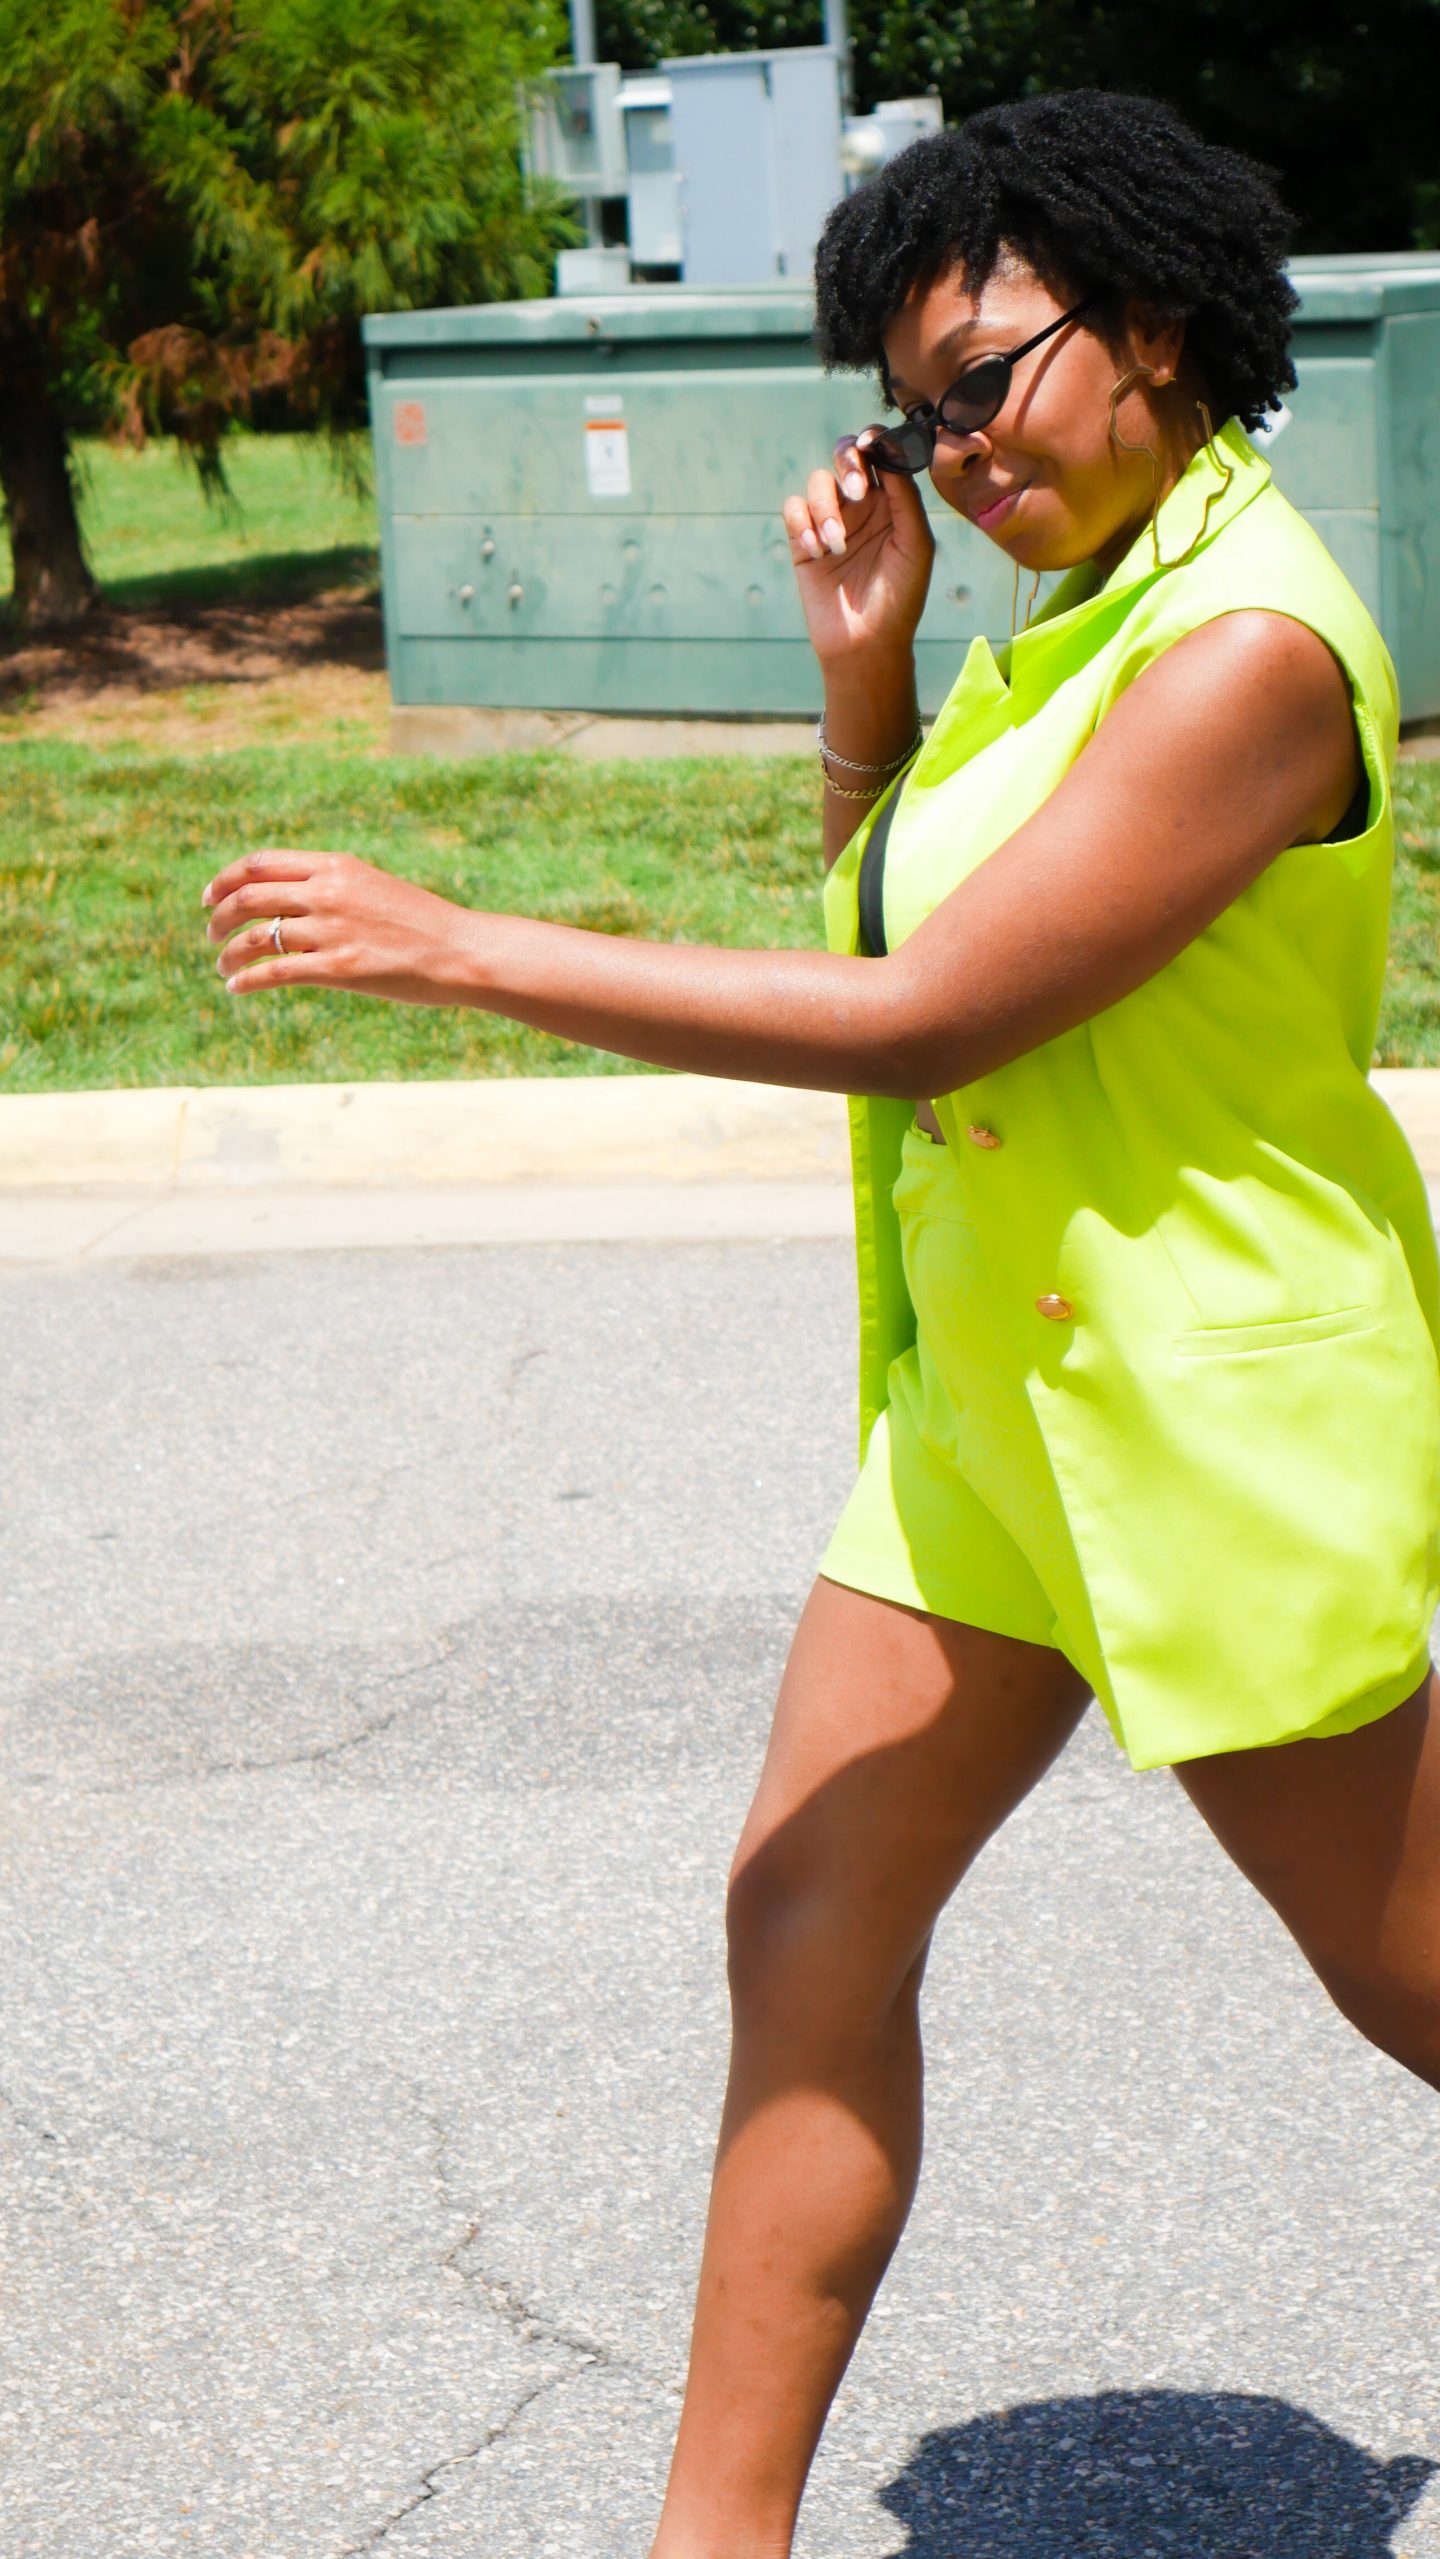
point(1098, 193)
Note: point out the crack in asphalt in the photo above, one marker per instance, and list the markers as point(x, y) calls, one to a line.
point(529, 2324)
point(314, 1756)
point(26, 2121)
point(519, 1362)
point(348, 1741)
point(508, 2304)
point(72, 2146)
point(456, 2460)
point(436, 1458)
point(500, 2294)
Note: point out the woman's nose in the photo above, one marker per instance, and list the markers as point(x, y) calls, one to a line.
point(955, 452)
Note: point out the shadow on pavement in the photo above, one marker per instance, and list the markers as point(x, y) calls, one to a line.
point(1144, 2474)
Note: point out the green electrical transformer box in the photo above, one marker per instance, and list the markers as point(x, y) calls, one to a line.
point(580, 498)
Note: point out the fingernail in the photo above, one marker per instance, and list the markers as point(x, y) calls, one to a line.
point(810, 541)
point(854, 484)
point(205, 897)
point(833, 534)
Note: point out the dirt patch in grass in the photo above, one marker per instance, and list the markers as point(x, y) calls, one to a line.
point(327, 706)
point(214, 675)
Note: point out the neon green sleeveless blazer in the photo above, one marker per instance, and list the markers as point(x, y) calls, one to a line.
point(1243, 1414)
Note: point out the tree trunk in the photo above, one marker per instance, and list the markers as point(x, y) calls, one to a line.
point(54, 588)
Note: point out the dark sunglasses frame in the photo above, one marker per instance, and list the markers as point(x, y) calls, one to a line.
point(910, 446)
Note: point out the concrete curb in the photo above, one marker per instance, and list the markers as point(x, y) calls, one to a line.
point(463, 730)
point(185, 1170)
point(588, 1129)
point(458, 731)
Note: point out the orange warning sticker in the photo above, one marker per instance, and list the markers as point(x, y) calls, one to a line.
point(607, 458)
point(410, 426)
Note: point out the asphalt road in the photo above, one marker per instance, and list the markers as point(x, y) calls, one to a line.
point(390, 1644)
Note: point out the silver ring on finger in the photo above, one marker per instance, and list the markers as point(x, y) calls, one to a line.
point(275, 935)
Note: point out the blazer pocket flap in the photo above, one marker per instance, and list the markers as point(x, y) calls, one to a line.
point(1213, 1341)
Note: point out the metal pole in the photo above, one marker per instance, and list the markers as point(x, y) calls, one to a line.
point(582, 50)
point(837, 32)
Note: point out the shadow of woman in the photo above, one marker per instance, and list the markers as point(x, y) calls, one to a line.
point(1144, 2474)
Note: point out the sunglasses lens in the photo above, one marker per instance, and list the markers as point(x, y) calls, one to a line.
point(977, 397)
point(906, 447)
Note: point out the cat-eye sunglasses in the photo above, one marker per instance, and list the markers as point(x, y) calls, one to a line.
point(975, 397)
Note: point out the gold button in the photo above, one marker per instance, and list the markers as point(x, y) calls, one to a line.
point(983, 1136)
point(1057, 1308)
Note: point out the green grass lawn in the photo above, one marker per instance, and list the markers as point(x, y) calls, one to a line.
point(106, 977)
point(154, 538)
point(1409, 1033)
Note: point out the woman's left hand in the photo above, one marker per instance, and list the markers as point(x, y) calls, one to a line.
point(344, 923)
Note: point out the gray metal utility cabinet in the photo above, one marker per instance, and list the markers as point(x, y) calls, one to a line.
point(580, 499)
point(756, 138)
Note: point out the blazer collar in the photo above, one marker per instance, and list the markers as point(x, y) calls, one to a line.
point(1223, 477)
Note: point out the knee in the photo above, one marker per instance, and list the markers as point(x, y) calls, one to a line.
point(801, 1948)
point(776, 1927)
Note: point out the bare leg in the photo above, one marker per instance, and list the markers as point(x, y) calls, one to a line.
point(900, 1743)
point(1343, 1839)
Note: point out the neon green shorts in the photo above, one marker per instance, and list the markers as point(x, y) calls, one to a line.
point(956, 1509)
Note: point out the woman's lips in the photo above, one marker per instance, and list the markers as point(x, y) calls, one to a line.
point(989, 518)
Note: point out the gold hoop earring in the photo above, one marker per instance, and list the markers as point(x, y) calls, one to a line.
point(1137, 373)
point(1226, 468)
point(1226, 476)
point(1226, 471)
point(1029, 601)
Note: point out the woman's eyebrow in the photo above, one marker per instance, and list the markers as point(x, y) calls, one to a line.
point(962, 329)
point(942, 346)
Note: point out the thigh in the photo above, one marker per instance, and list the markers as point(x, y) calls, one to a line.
point(1342, 1836)
point(900, 1742)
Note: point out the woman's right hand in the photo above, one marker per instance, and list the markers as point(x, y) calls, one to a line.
point(862, 557)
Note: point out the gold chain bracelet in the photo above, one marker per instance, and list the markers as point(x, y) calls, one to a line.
point(875, 791)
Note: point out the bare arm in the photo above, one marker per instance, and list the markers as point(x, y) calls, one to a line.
point(871, 717)
point(862, 557)
point(1236, 743)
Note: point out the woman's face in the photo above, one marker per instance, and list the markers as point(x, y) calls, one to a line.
point(1045, 481)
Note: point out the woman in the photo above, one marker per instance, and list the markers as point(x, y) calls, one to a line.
point(1149, 1293)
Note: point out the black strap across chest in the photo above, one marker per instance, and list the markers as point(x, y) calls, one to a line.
point(870, 886)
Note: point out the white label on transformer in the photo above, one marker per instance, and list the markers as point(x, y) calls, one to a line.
point(607, 457)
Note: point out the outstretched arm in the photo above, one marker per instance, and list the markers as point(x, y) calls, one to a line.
point(1236, 743)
